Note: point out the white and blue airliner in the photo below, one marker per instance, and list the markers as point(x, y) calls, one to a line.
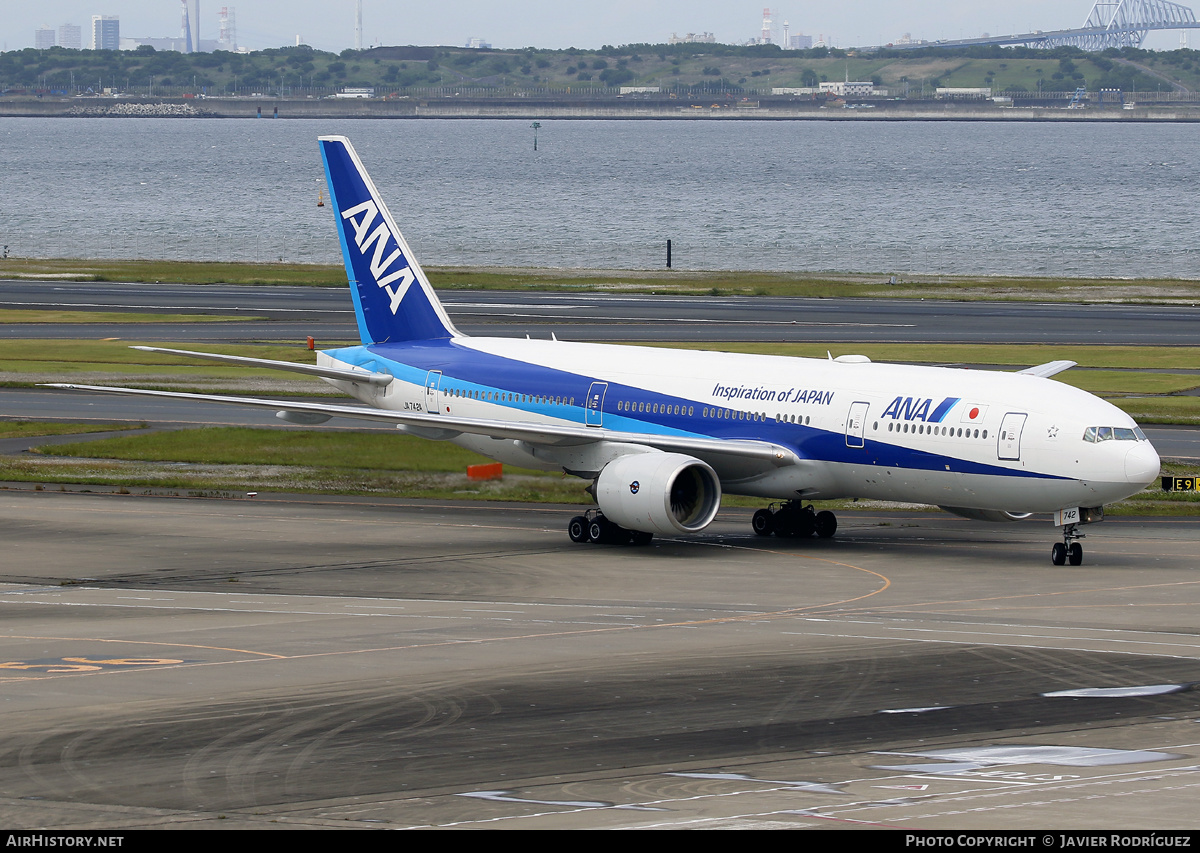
point(662, 434)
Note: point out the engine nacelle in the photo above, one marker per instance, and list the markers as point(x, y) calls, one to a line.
point(659, 493)
point(986, 514)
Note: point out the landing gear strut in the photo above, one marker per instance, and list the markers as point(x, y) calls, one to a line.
point(1068, 550)
point(592, 526)
point(791, 520)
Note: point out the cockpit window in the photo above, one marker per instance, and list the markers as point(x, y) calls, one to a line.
point(1103, 433)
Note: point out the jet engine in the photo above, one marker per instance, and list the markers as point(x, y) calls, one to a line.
point(986, 514)
point(659, 493)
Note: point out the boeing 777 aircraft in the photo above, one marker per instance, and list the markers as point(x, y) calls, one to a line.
point(663, 433)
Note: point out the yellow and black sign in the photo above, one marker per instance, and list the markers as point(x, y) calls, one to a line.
point(1180, 484)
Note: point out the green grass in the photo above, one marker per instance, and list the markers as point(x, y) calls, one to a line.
point(176, 272)
point(328, 462)
point(376, 450)
point(1154, 501)
point(678, 281)
point(1017, 355)
point(1161, 410)
point(34, 429)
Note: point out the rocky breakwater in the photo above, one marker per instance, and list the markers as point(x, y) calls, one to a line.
point(124, 109)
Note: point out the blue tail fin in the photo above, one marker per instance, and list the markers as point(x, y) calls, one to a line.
point(393, 300)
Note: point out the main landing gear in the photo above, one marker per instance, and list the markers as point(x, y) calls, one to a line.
point(793, 520)
point(592, 526)
point(1068, 551)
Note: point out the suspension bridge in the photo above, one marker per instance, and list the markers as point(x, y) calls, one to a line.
point(1111, 23)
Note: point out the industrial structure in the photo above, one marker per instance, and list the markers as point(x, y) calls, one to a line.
point(1111, 24)
point(227, 30)
point(185, 28)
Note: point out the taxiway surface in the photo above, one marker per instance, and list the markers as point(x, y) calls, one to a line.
point(364, 663)
point(292, 313)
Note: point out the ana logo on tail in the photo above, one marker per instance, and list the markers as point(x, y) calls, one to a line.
point(364, 237)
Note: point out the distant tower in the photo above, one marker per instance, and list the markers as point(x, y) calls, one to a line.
point(766, 31)
point(43, 37)
point(106, 32)
point(196, 28)
point(185, 28)
point(227, 37)
point(786, 42)
point(70, 36)
point(358, 25)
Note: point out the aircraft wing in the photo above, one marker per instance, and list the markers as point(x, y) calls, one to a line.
point(1048, 369)
point(443, 427)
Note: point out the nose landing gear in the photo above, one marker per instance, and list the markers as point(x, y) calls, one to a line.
point(1068, 550)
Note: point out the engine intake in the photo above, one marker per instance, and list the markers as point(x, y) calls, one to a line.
point(659, 493)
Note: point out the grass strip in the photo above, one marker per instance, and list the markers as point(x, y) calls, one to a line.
point(716, 282)
point(21, 428)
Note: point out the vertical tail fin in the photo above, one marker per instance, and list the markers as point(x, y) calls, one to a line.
point(393, 299)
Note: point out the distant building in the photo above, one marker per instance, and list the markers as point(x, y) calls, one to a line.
point(693, 38)
point(70, 36)
point(957, 94)
point(43, 38)
point(178, 44)
point(799, 42)
point(478, 43)
point(849, 88)
point(106, 32)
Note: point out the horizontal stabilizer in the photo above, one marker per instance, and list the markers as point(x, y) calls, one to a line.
point(1048, 369)
point(380, 379)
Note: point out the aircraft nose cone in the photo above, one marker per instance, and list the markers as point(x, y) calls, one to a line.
point(1141, 464)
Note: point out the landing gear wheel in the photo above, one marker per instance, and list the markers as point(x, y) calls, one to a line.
point(1069, 550)
point(826, 524)
point(599, 531)
point(577, 529)
point(640, 537)
point(763, 522)
point(786, 522)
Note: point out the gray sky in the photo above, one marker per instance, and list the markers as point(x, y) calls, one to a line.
point(329, 24)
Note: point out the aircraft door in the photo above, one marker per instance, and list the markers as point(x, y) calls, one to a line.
point(1008, 442)
point(594, 404)
point(856, 424)
point(433, 382)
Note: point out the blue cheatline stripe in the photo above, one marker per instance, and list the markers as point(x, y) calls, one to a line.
point(471, 371)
